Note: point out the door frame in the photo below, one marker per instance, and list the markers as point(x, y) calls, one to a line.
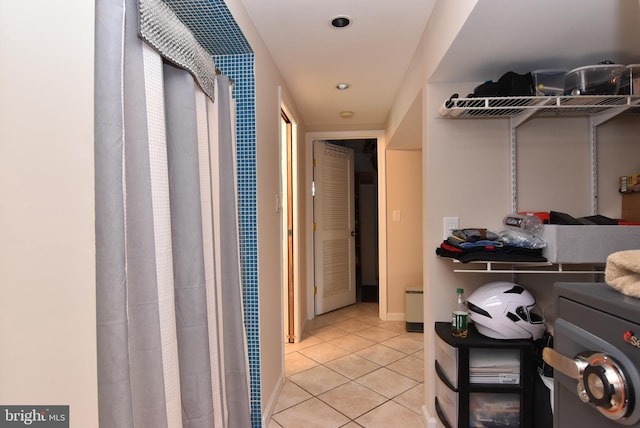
point(289, 232)
point(382, 212)
point(282, 200)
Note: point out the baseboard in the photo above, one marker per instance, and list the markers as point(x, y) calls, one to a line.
point(395, 316)
point(415, 327)
point(272, 402)
point(427, 419)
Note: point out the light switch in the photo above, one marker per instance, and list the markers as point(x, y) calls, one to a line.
point(396, 215)
point(450, 223)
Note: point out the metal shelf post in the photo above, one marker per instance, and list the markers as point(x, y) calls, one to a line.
point(599, 109)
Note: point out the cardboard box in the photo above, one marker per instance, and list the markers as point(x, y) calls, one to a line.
point(629, 183)
point(587, 244)
point(631, 207)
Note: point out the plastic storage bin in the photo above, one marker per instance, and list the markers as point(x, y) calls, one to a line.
point(587, 244)
point(494, 366)
point(549, 82)
point(447, 358)
point(630, 83)
point(488, 409)
point(483, 404)
point(448, 403)
point(601, 79)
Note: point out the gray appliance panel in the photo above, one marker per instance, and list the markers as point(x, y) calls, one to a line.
point(593, 317)
point(600, 296)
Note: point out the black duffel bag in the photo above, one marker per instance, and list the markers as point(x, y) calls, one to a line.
point(510, 84)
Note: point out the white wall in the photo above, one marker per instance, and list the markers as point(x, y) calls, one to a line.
point(404, 233)
point(618, 154)
point(446, 20)
point(47, 272)
point(466, 171)
point(467, 175)
point(47, 269)
point(267, 82)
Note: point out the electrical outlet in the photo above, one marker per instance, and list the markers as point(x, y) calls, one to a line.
point(450, 223)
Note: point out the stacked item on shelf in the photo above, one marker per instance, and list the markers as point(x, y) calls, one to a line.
point(494, 367)
point(517, 242)
point(598, 79)
point(496, 414)
point(469, 245)
point(558, 238)
point(630, 84)
point(487, 366)
point(549, 82)
point(586, 240)
point(629, 188)
point(521, 91)
point(604, 78)
point(483, 382)
point(560, 218)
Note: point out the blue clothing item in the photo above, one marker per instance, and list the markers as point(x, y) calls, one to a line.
point(482, 243)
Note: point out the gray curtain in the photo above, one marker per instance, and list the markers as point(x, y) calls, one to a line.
point(171, 340)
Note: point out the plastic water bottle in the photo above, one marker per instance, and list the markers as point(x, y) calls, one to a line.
point(459, 322)
point(528, 224)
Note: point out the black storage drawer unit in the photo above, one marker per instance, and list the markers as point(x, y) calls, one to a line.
point(472, 392)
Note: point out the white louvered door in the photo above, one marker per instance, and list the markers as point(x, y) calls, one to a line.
point(334, 217)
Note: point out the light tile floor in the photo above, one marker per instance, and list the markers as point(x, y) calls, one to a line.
point(353, 370)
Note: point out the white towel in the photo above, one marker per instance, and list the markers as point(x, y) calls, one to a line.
point(622, 272)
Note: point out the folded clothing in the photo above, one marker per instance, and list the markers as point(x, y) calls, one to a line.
point(474, 234)
point(565, 219)
point(622, 272)
point(489, 253)
point(479, 244)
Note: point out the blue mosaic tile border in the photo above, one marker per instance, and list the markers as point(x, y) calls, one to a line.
point(212, 25)
point(241, 69)
point(215, 29)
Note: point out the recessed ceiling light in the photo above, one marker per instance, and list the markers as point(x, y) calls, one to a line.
point(346, 114)
point(340, 22)
point(342, 86)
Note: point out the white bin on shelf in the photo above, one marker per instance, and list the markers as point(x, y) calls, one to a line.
point(587, 244)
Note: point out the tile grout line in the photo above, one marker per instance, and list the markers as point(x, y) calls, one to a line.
point(342, 318)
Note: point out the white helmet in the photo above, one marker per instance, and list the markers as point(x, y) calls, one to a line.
point(502, 310)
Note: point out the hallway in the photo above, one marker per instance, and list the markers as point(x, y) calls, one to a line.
point(353, 370)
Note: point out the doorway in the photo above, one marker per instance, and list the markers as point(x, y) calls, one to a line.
point(290, 293)
point(379, 283)
point(365, 179)
point(288, 206)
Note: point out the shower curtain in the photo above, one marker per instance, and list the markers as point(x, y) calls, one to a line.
point(171, 339)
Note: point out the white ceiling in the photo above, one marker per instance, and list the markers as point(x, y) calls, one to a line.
point(374, 52)
point(527, 35)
